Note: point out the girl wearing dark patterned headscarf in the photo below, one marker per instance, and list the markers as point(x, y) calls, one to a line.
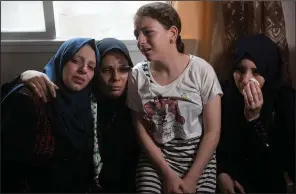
point(48, 147)
point(257, 134)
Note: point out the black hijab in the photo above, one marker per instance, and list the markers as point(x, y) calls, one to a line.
point(265, 54)
point(104, 46)
point(267, 58)
point(71, 110)
point(118, 139)
point(108, 44)
point(107, 106)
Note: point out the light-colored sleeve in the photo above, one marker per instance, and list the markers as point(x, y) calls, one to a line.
point(134, 101)
point(209, 86)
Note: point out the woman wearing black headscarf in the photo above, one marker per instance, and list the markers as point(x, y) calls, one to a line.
point(48, 147)
point(116, 143)
point(117, 137)
point(258, 113)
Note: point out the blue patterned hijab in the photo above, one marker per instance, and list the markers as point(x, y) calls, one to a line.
point(71, 110)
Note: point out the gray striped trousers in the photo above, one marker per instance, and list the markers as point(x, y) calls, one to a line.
point(180, 155)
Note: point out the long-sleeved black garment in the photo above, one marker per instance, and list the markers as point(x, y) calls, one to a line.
point(34, 157)
point(119, 147)
point(242, 152)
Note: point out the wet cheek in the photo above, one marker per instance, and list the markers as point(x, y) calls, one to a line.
point(261, 81)
point(125, 79)
point(238, 81)
point(90, 75)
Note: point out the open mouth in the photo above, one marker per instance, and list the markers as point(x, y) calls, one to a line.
point(145, 50)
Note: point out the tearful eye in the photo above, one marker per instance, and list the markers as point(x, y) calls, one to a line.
point(147, 32)
point(74, 61)
point(106, 70)
point(124, 69)
point(255, 72)
point(240, 70)
point(91, 68)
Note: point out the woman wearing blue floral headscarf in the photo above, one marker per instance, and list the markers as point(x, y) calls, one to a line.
point(48, 147)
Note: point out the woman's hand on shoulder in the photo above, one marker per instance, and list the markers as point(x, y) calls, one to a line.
point(39, 83)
